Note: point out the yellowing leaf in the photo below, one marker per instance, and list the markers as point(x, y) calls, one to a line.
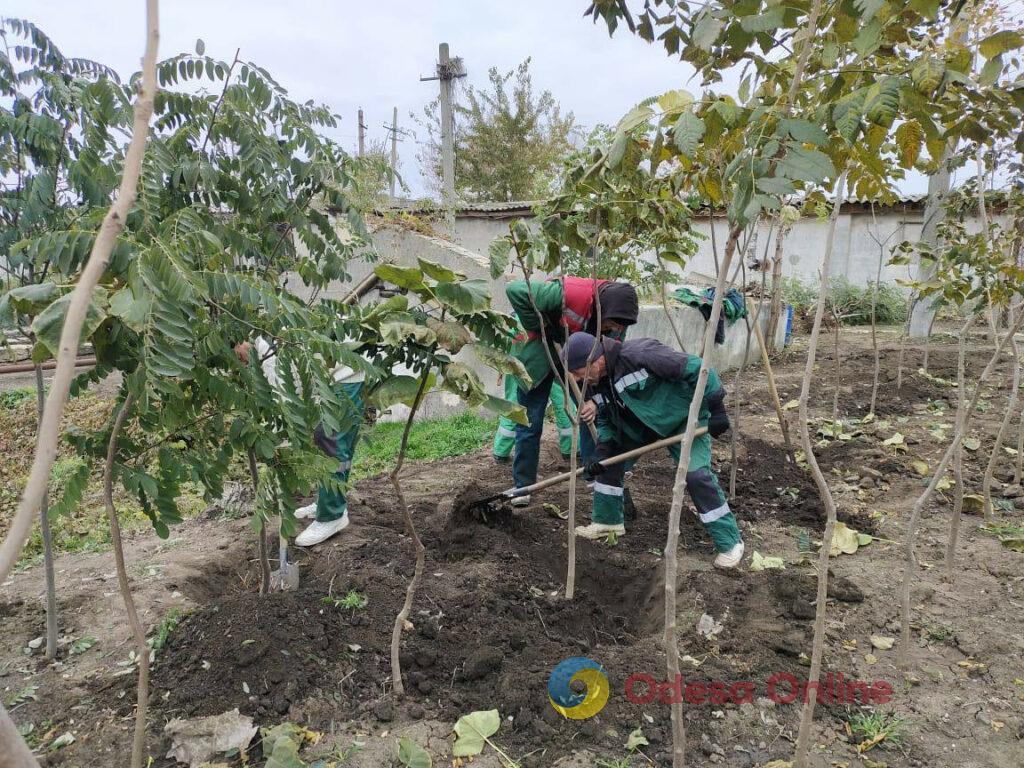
point(636, 739)
point(844, 540)
point(921, 467)
point(909, 136)
point(971, 443)
point(870, 658)
point(896, 439)
point(974, 504)
point(882, 643)
point(944, 484)
point(761, 563)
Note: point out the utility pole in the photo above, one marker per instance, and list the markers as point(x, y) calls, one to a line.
point(448, 69)
point(362, 134)
point(393, 128)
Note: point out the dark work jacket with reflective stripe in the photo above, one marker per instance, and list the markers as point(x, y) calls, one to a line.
point(647, 392)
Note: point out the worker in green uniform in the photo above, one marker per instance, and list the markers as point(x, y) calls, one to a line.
point(505, 436)
point(642, 393)
point(564, 305)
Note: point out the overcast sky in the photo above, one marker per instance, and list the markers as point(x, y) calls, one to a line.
point(357, 53)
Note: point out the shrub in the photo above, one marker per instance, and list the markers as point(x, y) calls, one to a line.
point(852, 302)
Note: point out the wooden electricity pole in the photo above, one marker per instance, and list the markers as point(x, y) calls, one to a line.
point(362, 134)
point(448, 70)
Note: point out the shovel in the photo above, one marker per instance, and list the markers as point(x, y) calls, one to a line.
point(513, 493)
point(287, 578)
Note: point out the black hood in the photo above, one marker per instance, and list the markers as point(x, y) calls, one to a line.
point(619, 303)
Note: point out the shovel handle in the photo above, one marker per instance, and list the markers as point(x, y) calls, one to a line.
point(609, 462)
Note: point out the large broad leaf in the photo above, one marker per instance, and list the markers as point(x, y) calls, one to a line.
point(706, 31)
point(473, 730)
point(131, 309)
point(503, 363)
point(508, 409)
point(49, 323)
point(465, 297)
point(810, 165)
point(804, 130)
point(30, 299)
point(412, 755)
point(499, 254)
point(463, 381)
point(409, 278)
point(451, 336)
point(396, 334)
point(991, 71)
point(1000, 42)
point(909, 138)
point(438, 272)
point(617, 151)
point(634, 118)
point(675, 101)
point(774, 186)
point(687, 133)
point(398, 389)
point(764, 22)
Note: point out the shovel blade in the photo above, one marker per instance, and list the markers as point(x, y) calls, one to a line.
point(286, 579)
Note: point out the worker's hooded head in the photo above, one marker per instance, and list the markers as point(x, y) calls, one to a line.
point(619, 303)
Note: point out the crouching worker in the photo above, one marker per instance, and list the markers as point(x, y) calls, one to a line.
point(642, 392)
point(330, 510)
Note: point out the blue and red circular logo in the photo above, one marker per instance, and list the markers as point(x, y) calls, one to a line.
point(568, 703)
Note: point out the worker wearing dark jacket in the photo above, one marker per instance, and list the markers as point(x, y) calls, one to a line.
point(642, 393)
point(565, 305)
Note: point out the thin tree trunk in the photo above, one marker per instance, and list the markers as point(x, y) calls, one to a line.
point(14, 753)
point(44, 527)
point(803, 742)
point(836, 369)
point(911, 303)
point(1004, 431)
point(923, 499)
point(958, 455)
point(928, 341)
point(110, 229)
point(264, 554)
point(672, 544)
point(776, 303)
point(410, 526)
point(874, 313)
point(141, 646)
point(1018, 474)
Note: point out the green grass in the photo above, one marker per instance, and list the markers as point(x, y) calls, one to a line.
point(10, 398)
point(852, 302)
point(871, 728)
point(429, 440)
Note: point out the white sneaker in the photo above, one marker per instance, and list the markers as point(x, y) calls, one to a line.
point(599, 530)
point(318, 532)
point(521, 501)
point(307, 512)
point(731, 558)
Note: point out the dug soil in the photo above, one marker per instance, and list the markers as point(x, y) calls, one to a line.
point(490, 620)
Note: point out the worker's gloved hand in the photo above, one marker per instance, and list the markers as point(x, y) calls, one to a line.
point(592, 469)
point(718, 424)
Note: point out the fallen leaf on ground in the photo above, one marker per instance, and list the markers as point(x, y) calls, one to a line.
point(412, 755)
point(761, 563)
point(971, 443)
point(791, 405)
point(896, 439)
point(921, 467)
point(882, 643)
point(473, 730)
point(844, 540)
point(636, 739)
point(973, 504)
point(870, 658)
point(707, 626)
point(195, 740)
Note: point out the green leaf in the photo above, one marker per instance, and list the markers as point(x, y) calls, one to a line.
point(1001, 42)
point(466, 297)
point(675, 101)
point(706, 31)
point(687, 133)
point(991, 71)
point(132, 311)
point(74, 487)
point(508, 409)
point(396, 334)
point(396, 389)
point(869, 38)
point(499, 253)
point(774, 186)
point(634, 118)
point(764, 22)
point(412, 755)
point(636, 739)
point(30, 299)
point(803, 130)
point(409, 278)
point(617, 151)
point(473, 730)
point(810, 165)
point(200, 47)
point(503, 363)
point(868, 8)
point(438, 272)
point(49, 323)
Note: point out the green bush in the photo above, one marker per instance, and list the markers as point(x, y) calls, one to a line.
point(852, 302)
point(11, 398)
